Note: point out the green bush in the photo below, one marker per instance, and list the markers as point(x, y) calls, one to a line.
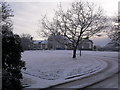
point(11, 52)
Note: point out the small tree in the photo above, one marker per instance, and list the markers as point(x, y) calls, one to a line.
point(11, 52)
point(26, 41)
point(82, 20)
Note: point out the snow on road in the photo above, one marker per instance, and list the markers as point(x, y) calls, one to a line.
point(46, 68)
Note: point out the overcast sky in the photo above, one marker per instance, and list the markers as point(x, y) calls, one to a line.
point(27, 14)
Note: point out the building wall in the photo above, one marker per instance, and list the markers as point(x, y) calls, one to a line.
point(87, 45)
point(39, 45)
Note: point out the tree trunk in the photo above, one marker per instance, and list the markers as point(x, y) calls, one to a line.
point(81, 48)
point(74, 52)
point(80, 51)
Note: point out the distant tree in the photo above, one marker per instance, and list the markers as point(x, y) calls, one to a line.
point(57, 42)
point(111, 46)
point(26, 41)
point(82, 20)
point(114, 33)
point(11, 52)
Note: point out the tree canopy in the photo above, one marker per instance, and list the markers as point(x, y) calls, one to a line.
point(81, 20)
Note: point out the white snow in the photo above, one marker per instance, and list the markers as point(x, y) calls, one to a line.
point(46, 68)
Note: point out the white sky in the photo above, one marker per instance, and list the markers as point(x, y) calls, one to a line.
point(27, 14)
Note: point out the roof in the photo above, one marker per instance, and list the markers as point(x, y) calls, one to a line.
point(87, 40)
point(40, 41)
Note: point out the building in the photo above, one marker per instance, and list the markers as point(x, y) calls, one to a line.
point(40, 45)
point(59, 42)
point(86, 44)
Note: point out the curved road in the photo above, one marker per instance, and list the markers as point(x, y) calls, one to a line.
point(111, 82)
point(104, 79)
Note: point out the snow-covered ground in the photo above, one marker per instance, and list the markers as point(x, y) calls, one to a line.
point(46, 68)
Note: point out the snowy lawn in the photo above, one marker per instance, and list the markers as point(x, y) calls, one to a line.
point(46, 68)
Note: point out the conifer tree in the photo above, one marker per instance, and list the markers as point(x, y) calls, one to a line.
point(11, 52)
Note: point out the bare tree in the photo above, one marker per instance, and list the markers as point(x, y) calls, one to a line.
point(82, 20)
point(114, 32)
